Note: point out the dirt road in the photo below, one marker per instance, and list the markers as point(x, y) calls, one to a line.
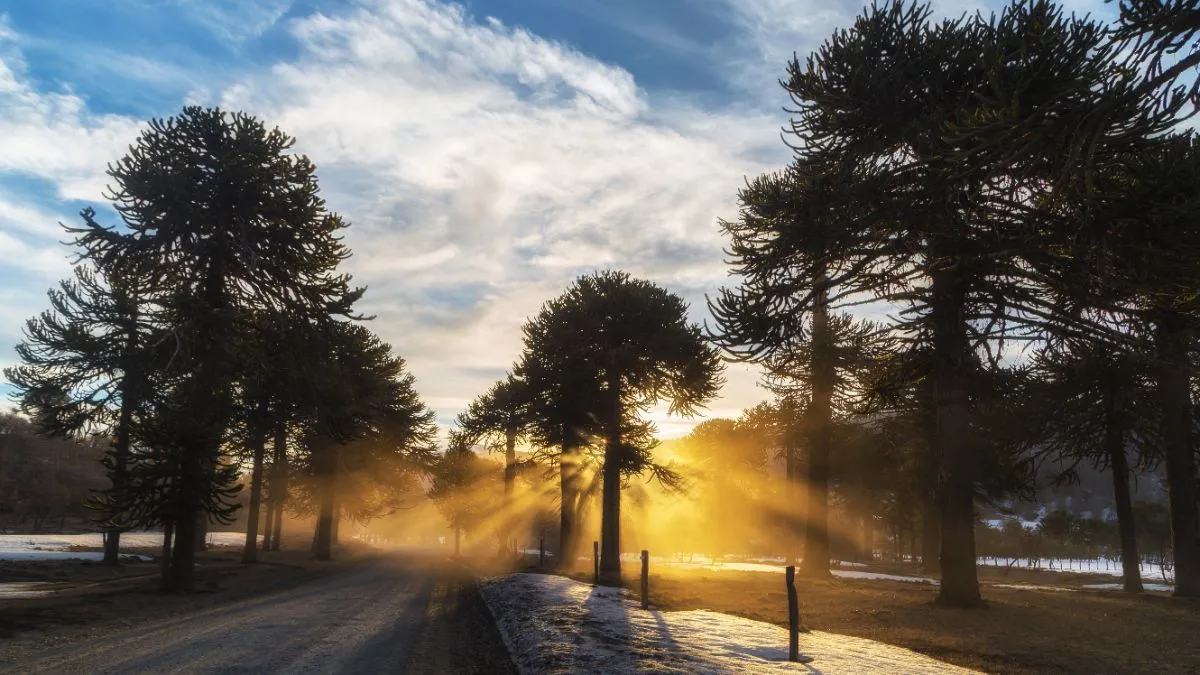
point(397, 614)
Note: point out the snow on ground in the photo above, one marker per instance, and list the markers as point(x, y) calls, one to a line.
point(1169, 588)
point(552, 624)
point(1098, 566)
point(58, 546)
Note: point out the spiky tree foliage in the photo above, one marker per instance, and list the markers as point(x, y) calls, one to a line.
point(632, 342)
point(560, 408)
point(500, 419)
point(821, 369)
point(879, 207)
point(463, 487)
point(1097, 406)
point(86, 367)
point(1142, 251)
point(368, 420)
point(219, 217)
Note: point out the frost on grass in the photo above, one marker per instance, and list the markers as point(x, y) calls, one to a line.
point(59, 546)
point(556, 625)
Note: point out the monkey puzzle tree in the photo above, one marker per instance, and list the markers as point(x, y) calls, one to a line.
point(561, 393)
point(367, 415)
point(85, 367)
point(633, 341)
point(500, 418)
point(881, 209)
point(1097, 402)
point(219, 218)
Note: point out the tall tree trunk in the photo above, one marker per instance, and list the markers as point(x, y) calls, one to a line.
point(568, 470)
point(324, 543)
point(268, 523)
point(112, 539)
point(867, 550)
point(824, 371)
point(335, 529)
point(183, 554)
point(250, 550)
point(952, 440)
point(791, 500)
point(277, 528)
point(279, 482)
point(610, 510)
point(931, 532)
point(1114, 442)
point(510, 480)
point(1179, 450)
point(165, 562)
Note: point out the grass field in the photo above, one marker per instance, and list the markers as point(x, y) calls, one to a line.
point(1020, 631)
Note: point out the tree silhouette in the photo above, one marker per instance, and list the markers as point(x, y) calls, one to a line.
point(219, 217)
point(632, 340)
point(1096, 403)
point(86, 368)
point(500, 418)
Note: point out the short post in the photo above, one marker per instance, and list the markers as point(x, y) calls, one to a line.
point(541, 551)
point(793, 616)
point(595, 562)
point(645, 579)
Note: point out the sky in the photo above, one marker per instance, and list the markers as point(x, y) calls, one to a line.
point(485, 152)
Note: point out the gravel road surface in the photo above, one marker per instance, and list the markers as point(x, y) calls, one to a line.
point(397, 614)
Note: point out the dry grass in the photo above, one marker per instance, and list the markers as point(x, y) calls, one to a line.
point(1020, 631)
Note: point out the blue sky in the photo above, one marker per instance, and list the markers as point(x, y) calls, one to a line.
point(486, 152)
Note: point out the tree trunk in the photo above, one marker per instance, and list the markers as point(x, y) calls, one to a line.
point(610, 510)
point(164, 563)
point(324, 543)
point(201, 532)
point(510, 480)
point(792, 497)
point(931, 532)
point(952, 439)
point(277, 529)
point(867, 550)
point(183, 554)
point(250, 550)
point(1178, 448)
point(457, 541)
point(1114, 442)
point(568, 468)
point(279, 482)
point(824, 370)
point(335, 530)
point(268, 523)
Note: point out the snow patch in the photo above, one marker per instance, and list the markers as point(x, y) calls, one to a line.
point(1169, 588)
point(58, 546)
point(552, 624)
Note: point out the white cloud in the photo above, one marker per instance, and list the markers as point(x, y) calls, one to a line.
point(235, 21)
point(52, 135)
point(483, 162)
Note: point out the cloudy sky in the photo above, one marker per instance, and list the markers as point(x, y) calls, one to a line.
point(486, 152)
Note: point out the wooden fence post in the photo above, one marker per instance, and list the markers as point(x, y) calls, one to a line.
point(645, 579)
point(793, 615)
point(595, 562)
point(794, 620)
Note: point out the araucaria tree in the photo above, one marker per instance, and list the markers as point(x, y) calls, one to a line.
point(877, 207)
point(85, 368)
point(220, 218)
point(499, 420)
point(633, 342)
